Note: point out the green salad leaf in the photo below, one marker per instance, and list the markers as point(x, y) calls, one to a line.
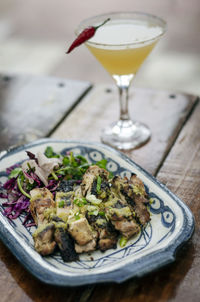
point(15, 172)
point(49, 152)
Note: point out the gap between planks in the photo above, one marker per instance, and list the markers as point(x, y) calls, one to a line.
point(178, 281)
point(163, 111)
point(92, 112)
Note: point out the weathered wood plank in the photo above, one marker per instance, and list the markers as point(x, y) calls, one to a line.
point(164, 112)
point(17, 285)
point(31, 107)
point(180, 280)
point(84, 122)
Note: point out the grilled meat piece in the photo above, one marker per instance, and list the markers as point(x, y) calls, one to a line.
point(40, 202)
point(77, 224)
point(133, 191)
point(89, 182)
point(65, 243)
point(44, 239)
point(90, 215)
point(120, 215)
point(141, 211)
point(107, 236)
point(81, 231)
point(88, 247)
point(64, 204)
point(126, 227)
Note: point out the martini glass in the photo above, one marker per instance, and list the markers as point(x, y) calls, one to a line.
point(121, 46)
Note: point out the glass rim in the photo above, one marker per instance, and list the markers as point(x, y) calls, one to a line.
point(136, 13)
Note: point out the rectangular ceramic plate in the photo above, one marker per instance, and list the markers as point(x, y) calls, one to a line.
point(171, 225)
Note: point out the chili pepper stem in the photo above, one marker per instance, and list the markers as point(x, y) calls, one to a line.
point(96, 27)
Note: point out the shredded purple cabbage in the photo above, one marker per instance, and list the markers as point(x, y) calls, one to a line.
point(33, 177)
point(9, 184)
point(16, 203)
point(3, 195)
point(52, 185)
point(36, 179)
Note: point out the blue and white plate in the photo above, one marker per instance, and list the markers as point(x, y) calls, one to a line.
point(171, 225)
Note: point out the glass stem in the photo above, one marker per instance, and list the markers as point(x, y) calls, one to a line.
point(123, 99)
point(123, 83)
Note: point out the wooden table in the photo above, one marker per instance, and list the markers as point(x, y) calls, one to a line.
point(35, 107)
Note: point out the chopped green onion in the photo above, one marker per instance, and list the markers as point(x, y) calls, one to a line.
point(101, 213)
point(61, 204)
point(93, 200)
point(80, 201)
point(99, 180)
point(123, 241)
point(95, 213)
point(84, 200)
point(54, 175)
point(151, 200)
point(77, 216)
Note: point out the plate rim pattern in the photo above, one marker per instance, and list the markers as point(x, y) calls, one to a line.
point(143, 265)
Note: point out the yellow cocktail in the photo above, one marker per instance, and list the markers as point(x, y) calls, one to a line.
point(126, 61)
point(121, 45)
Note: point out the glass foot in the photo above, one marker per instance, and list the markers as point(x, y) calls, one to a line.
point(125, 135)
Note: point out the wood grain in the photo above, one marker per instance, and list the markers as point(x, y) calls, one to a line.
point(31, 107)
point(162, 111)
point(180, 280)
point(166, 114)
point(17, 285)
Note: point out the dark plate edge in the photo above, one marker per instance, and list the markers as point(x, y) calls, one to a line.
point(142, 266)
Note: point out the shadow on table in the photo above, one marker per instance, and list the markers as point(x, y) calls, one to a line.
point(157, 286)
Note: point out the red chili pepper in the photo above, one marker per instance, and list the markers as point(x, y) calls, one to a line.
point(85, 35)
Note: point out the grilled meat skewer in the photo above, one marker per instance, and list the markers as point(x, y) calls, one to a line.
point(95, 188)
point(88, 216)
point(107, 235)
point(64, 205)
point(65, 241)
point(77, 225)
point(41, 201)
point(133, 191)
point(83, 235)
point(121, 216)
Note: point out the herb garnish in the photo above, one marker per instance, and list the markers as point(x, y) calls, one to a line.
point(61, 204)
point(99, 180)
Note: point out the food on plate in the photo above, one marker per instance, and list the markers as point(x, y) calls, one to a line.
point(75, 206)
